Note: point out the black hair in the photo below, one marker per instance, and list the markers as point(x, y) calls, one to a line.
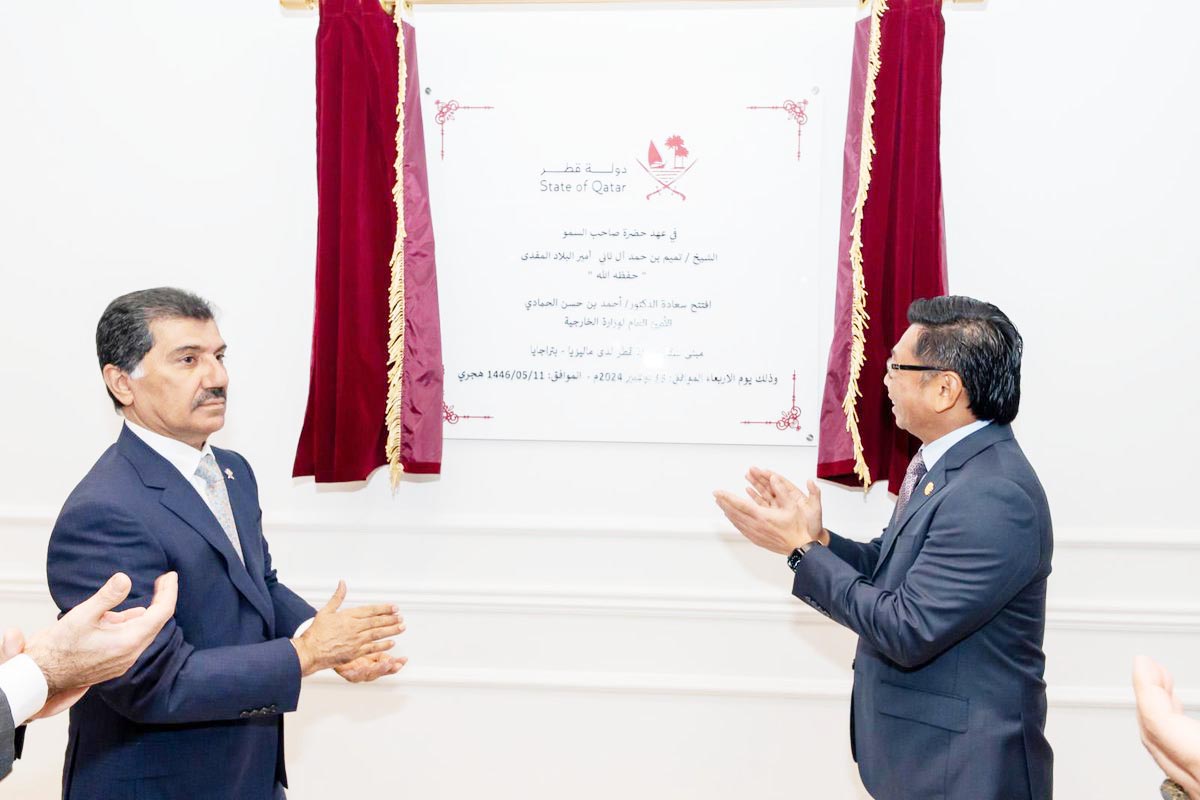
point(123, 333)
point(980, 343)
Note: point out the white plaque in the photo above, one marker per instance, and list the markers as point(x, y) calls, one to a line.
point(626, 205)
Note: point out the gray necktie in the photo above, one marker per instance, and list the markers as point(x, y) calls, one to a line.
point(912, 476)
point(218, 500)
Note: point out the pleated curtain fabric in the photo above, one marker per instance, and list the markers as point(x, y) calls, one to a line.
point(345, 428)
point(902, 236)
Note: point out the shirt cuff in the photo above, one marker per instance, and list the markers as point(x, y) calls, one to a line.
point(302, 627)
point(24, 685)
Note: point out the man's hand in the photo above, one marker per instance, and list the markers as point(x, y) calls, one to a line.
point(367, 668)
point(1172, 738)
point(773, 489)
point(337, 637)
point(779, 516)
point(92, 643)
point(14, 645)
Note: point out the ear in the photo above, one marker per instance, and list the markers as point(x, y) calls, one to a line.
point(949, 391)
point(119, 383)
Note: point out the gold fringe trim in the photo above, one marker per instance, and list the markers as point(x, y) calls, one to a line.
point(394, 408)
point(859, 318)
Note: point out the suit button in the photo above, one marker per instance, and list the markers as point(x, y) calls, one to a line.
point(852, 663)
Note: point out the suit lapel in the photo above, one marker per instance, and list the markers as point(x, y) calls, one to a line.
point(957, 455)
point(245, 516)
point(185, 502)
point(936, 479)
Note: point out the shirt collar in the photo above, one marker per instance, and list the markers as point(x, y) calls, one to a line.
point(181, 455)
point(932, 453)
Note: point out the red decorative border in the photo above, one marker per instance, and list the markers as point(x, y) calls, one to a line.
point(789, 420)
point(798, 113)
point(446, 112)
point(452, 417)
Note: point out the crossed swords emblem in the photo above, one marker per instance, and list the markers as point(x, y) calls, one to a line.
point(667, 183)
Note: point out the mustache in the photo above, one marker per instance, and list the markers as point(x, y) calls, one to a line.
point(217, 393)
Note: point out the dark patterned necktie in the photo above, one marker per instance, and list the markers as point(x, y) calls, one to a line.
point(912, 476)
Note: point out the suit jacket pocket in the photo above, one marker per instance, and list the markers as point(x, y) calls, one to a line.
point(946, 711)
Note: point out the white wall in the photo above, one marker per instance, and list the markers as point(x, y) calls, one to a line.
point(581, 621)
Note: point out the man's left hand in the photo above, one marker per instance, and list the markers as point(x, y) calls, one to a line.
point(369, 667)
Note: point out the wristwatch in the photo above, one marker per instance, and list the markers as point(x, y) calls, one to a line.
point(797, 556)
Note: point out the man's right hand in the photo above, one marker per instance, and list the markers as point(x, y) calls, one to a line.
point(92, 643)
point(337, 637)
point(772, 490)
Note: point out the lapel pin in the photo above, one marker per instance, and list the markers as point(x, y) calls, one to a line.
point(928, 487)
point(229, 476)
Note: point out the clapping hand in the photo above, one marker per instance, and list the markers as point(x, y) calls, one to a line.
point(92, 643)
point(778, 516)
point(1172, 737)
point(367, 668)
point(342, 638)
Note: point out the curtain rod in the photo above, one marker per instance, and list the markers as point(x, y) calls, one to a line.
point(390, 5)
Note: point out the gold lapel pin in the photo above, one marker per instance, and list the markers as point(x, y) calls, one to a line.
point(928, 489)
point(229, 475)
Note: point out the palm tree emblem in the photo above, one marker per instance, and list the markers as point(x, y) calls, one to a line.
point(675, 142)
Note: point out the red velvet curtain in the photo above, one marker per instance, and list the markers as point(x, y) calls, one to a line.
point(345, 433)
point(903, 236)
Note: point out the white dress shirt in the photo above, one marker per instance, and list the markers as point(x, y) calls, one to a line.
point(186, 459)
point(182, 456)
point(24, 686)
point(932, 453)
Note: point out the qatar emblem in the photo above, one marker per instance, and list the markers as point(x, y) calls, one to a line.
point(666, 175)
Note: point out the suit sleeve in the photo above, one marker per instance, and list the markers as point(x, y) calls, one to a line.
point(172, 681)
point(7, 737)
point(290, 609)
point(980, 551)
point(861, 555)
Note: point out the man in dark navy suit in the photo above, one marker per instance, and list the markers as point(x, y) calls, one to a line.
point(949, 604)
point(200, 714)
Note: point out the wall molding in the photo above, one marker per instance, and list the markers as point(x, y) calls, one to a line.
point(1174, 619)
point(612, 527)
point(1115, 698)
